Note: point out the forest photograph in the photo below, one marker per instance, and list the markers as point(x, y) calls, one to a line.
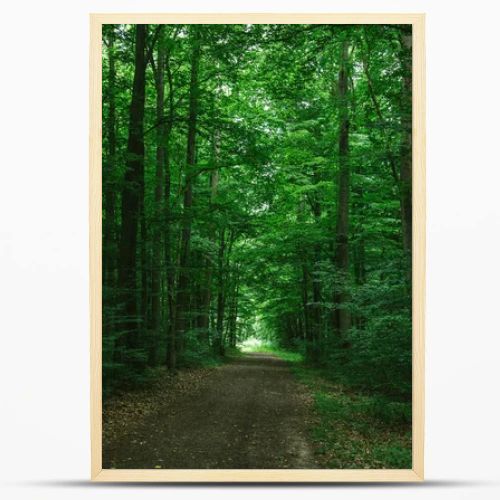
point(256, 246)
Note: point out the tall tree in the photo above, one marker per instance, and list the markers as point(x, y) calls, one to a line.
point(405, 173)
point(214, 184)
point(343, 316)
point(161, 144)
point(169, 317)
point(183, 296)
point(109, 230)
point(131, 191)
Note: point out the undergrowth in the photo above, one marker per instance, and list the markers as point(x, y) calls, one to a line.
point(352, 430)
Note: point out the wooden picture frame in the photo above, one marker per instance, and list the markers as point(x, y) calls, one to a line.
point(261, 475)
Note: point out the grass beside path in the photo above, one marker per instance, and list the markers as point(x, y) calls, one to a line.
point(351, 430)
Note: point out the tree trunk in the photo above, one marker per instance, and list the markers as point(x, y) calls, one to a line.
point(342, 316)
point(302, 254)
point(109, 201)
point(207, 291)
point(183, 296)
point(158, 195)
point(234, 309)
point(143, 297)
point(405, 172)
point(219, 340)
point(131, 191)
point(305, 301)
point(169, 265)
point(359, 252)
point(316, 309)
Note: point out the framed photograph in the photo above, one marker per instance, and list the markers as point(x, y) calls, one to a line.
point(257, 247)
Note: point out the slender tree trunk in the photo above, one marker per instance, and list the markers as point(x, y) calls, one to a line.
point(302, 253)
point(207, 291)
point(219, 340)
point(131, 190)
point(315, 328)
point(358, 247)
point(169, 265)
point(343, 317)
point(143, 296)
point(158, 196)
point(305, 301)
point(234, 308)
point(405, 172)
point(316, 309)
point(109, 231)
point(109, 234)
point(183, 296)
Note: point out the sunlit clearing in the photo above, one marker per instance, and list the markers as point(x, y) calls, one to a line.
point(252, 344)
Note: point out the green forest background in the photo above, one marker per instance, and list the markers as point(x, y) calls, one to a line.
point(257, 187)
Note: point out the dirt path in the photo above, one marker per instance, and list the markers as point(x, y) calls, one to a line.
point(247, 414)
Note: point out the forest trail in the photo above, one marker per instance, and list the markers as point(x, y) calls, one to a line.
point(247, 414)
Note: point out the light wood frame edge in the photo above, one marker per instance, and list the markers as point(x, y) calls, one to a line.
point(419, 246)
point(95, 244)
point(419, 251)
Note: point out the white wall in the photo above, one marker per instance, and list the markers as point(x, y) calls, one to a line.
point(44, 448)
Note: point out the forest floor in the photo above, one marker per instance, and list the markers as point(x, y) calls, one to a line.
point(249, 413)
point(256, 411)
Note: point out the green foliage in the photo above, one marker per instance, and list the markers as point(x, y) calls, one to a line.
point(197, 353)
point(255, 345)
point(354, 430)
point(244, 241)
point(393, 455)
